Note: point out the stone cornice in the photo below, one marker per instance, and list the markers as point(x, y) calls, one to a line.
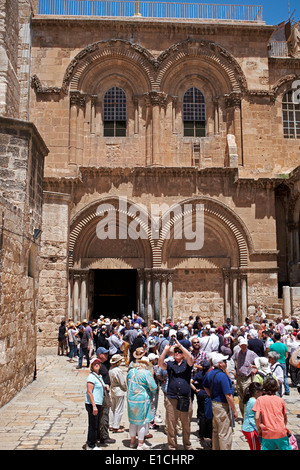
point(25, 127)
point(85, 173)
point(193, 26)
point(285, 62)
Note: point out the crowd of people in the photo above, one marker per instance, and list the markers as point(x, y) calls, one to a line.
point(180, 362)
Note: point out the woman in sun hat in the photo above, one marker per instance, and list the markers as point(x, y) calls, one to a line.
point(118, 388)
point(93, 403)
point(141, 387)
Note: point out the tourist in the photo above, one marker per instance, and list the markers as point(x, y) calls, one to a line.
point(255, 344)
point(252, 392)
point(126, 344)
point(73, 341)
point(219, 388)
point(263, 370)
point(267, 338)
point(179, 385)
point(140, 388)
point(118, 388)
point(294, 323)
point(103, 429)
point(245, 369)
point(84, 346)
point(282, 350)
point(271, 418)
point(205, 341)
point(62, 339)
point(276, 369)
point(260, 314)
point(295, 367)
point(93, 402)
point(115, 342)
point(138, 341)
point(279, 327)
point(204, 406)
point(101, 340)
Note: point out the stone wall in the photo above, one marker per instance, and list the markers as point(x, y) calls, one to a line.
point(21, 173)
point(53, 280)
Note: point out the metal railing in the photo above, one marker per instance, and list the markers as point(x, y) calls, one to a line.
point(154, 9)
point(278, 49)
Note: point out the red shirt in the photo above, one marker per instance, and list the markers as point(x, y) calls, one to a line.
point(272, 410)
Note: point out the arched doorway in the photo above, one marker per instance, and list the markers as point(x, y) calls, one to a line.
point(105, 261)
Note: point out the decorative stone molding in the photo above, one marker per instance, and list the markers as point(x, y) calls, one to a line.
point(40, 89)
point(154, 69)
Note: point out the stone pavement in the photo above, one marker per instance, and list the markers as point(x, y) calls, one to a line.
point(49, 414)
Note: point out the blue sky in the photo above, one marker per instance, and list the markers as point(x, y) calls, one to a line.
point(274, 11)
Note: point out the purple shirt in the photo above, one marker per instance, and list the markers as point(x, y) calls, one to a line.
point(244, 361)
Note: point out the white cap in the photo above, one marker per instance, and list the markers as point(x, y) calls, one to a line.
point(242, 340)
point(216, 358)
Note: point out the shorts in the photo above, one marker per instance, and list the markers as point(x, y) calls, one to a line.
point(272, 444)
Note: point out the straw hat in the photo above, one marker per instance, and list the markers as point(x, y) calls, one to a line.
point(139, 353)
point(116, 358)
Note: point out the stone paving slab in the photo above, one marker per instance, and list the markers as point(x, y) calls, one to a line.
point(49, 414)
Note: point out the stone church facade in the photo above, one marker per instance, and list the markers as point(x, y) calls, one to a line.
point(145, 127)
point(147, 118)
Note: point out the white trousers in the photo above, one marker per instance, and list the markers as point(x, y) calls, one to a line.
point(116, 411)
point(138, 430)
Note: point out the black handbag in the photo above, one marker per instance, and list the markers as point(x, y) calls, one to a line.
point(183, 403)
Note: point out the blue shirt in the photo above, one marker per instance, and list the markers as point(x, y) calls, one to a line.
point(97, 390)
point(179, 379)
point(222, 385)
point(249, 418)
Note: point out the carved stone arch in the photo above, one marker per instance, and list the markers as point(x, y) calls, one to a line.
point(223, 214)
point(83, 228)
point(117, 49)
point(283, 85)
point(210, 53)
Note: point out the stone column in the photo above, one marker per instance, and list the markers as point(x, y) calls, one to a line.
point(164, 279)
point(233, 112)
point(141, 292)
point(156, 100)
point(136, 114)
point(77, 109)
point(244, 300)
point(227, 294)
point(76, 297)
point(235, 299)
point(287, 305)
point(148, 295)
point(157, 293)
point(84, 296)
point(170, 295)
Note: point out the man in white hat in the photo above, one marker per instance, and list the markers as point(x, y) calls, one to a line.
point(218, 386)
point(245, 369)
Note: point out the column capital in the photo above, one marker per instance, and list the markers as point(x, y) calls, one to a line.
point(156, 98)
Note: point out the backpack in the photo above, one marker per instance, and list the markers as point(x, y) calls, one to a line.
point(269, 375)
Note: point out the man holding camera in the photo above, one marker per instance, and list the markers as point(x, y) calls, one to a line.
point(178, 401)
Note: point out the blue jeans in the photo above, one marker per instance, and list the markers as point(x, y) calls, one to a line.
point(285, 382)
point(84, 352)
point(72, 350)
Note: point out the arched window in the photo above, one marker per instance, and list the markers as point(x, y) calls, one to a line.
point(194, 113)
point(290, 117)
point(114, 113)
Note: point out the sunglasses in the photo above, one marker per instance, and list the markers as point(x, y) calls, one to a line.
point(178, 351)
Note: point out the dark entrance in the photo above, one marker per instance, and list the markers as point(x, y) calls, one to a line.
point(114, 292)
